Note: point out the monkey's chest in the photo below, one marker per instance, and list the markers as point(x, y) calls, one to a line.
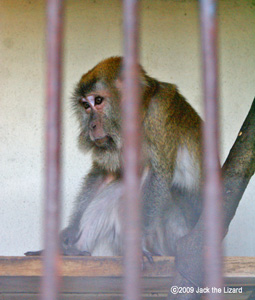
point(101, 223)
point(101, 226)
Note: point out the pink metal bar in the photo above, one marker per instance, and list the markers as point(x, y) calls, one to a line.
point(132, 145)
point(212, 172)
point(51, 258)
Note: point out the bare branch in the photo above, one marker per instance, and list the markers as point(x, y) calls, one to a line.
point(238, 169)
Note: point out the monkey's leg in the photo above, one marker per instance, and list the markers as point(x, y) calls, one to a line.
point(155, 200)
point(164, 221)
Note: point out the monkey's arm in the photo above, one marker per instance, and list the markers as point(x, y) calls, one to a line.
point(92, 183)
point(70, 235)
point(238, 169)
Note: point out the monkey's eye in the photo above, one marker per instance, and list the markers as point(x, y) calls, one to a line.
point(98, 100)
point(85, 105)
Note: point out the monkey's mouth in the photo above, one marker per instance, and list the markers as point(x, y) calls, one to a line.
point(103, 141)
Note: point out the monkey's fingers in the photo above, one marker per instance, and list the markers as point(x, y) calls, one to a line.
point(148, 255)
point(34, 253)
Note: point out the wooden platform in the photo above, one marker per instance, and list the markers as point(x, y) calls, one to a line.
point(90, 278)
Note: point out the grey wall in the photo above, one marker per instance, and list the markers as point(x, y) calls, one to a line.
point(169, 51)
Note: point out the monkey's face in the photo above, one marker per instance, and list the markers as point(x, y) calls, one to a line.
point(97, 103)
point(99, 117)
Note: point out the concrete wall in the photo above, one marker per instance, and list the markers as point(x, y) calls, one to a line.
point(170, 51)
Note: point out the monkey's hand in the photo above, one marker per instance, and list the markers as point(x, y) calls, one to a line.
point(68, 238)
point(70, 251)
point(34, 253)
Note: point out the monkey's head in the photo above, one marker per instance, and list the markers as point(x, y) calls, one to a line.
point(97, 99)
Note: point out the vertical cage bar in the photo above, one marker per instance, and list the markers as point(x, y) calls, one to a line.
point(212, 171)
point(51, 258)
point(132, 145)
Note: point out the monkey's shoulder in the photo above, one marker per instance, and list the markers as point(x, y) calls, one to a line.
point(171, 123)
point(169, 106)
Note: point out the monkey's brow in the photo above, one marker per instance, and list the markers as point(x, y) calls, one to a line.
point(85, 88)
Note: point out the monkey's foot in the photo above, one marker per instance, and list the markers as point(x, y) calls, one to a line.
point(148, 255)
point(34, 253)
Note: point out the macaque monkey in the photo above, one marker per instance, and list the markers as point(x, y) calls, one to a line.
point(171, 165)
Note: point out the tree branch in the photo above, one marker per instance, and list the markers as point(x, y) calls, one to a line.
point(237, 172)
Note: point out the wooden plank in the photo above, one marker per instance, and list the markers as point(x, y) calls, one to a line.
point(151, 296)
point(239, 271)
point(104, 275)
point(89, 285)
point(239, 266)
point(28, 284)
point(243, 267)
point(83, 266)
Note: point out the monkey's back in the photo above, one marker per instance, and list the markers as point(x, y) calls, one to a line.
point(173, 133)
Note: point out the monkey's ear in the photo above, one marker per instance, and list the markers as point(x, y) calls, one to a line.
point(119, 84)
point(144, 83)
